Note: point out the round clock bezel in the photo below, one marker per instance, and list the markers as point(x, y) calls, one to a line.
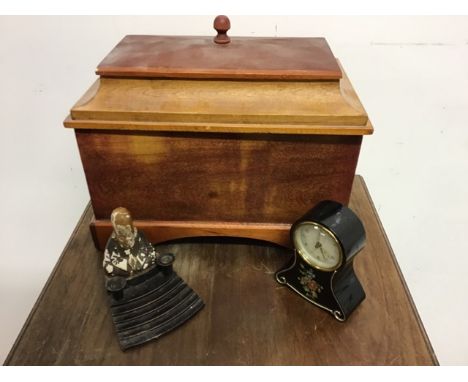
point(328, 231)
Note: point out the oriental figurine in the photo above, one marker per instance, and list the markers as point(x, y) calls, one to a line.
point(147, 297)
point(128, 252)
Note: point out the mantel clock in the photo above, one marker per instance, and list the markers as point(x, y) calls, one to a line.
point(326, 240)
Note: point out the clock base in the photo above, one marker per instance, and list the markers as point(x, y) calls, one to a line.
point(338, 292)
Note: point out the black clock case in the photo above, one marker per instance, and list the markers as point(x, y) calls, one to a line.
point(342, 222)
point(342, 292)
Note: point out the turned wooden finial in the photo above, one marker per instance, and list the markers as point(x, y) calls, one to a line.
point(222, 25)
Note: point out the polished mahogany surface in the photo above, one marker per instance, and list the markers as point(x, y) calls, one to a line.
point(241, 58)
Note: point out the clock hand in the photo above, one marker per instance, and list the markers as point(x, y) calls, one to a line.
point(319, 246)
point(323, 254)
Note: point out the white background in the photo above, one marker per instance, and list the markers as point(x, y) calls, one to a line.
point(410, 73)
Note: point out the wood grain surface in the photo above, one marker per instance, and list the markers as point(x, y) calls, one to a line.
point(202, 127)
point(237, 106)
point(201, 57)
point(161, 231)
point(215, 177)
point(247, 102)
point(249, 319)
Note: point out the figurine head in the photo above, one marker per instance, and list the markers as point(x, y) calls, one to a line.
point(124, 231)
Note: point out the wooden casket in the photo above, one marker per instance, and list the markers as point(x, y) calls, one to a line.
point(199, 136)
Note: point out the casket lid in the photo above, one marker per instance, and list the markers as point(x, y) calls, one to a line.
point(238, 85)
point(235, 58)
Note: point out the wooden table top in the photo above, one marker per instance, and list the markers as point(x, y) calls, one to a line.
point(249, 319)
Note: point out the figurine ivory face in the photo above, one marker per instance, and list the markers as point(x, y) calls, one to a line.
point(124, 231)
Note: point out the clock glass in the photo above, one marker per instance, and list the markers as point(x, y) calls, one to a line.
point(317, 246)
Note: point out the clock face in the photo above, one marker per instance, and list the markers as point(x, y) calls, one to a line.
point(317, 246)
